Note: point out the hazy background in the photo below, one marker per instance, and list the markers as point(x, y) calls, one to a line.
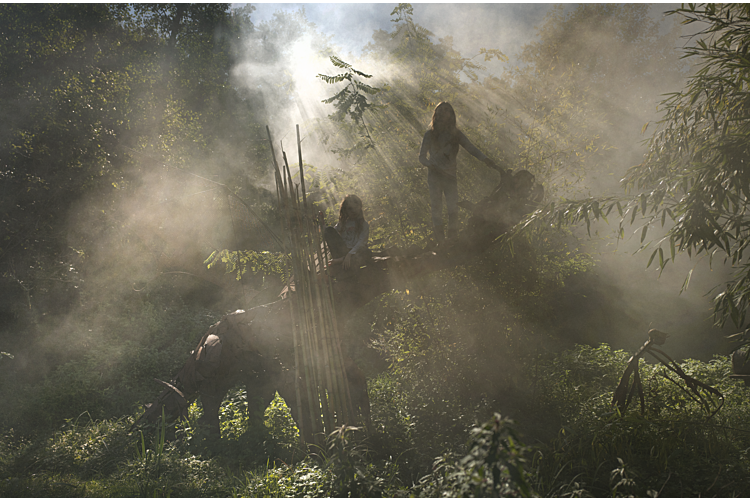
point(148, 229)
point(138, 202)
point(507, 25)
point(649, 299)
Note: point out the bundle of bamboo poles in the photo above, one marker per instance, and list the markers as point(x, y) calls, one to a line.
point(322, 390)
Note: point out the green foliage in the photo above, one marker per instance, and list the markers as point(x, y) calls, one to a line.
point(344, 468)
point(494, 466)
point(574, 376)
point(150, 460)
point(694, 172)
point(353, 473)
point(278, 419)
point(265, 263)
point(692, 181)
point(99, 95)
point(351, 101)
point(84, 450)
point(179, 473)
point(443, 345)
point(252, 445)
point(305, 479)
point(671, 450)
point(97, 98)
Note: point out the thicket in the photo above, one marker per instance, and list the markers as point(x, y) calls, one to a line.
point(134, 156)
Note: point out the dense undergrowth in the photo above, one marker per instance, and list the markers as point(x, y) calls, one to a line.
point(437, 401)
point(475, 390)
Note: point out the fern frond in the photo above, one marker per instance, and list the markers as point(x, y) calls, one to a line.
point(361, 74)
point(366, 88)
point(335, 79)
point(336, 61)
point(338, 96)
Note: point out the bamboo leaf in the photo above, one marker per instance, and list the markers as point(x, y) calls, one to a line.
point(687, 280)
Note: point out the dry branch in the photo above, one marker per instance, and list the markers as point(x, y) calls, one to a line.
point(694, 389)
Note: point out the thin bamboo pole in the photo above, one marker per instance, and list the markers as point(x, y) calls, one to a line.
point(337, 347)
point(326, 384)
point(276, 172)
point(301, 174)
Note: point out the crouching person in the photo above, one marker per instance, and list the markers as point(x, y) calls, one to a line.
point(348, 239)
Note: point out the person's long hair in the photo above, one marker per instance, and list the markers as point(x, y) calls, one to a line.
point(351, 209)
point(444, 120)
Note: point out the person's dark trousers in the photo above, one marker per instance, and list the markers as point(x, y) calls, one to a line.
point(441, 184)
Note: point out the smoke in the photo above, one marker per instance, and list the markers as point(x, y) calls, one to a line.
point(167, 218)
point(503, 26)
point(283, 69)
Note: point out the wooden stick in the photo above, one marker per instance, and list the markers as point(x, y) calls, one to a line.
point(301, 175)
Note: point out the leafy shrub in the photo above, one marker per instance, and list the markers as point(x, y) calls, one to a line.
point(673, 449)
point(443, 345)
point(179, 473)
point(278, 419)
point(494, 466)
point(353, 472)
point(304, 479)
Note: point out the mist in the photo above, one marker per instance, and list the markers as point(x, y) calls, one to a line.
point(649, 299)
point(168, 214)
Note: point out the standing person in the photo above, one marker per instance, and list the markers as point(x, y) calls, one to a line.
point(441, 142)
point(348, 239)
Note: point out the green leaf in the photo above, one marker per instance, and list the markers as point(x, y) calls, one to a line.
point(687, 280)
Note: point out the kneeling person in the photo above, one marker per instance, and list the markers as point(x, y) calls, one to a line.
point(348, 239)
